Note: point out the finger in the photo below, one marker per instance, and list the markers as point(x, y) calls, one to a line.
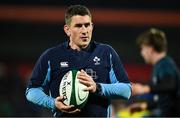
point(87, 83)
point(85, 77)
point(64, 111)
point(82, 74)
point(75, 111)
point(65, 107)
point(59, 98)
point(82, 77)
point(88, 88)
point(83, 71)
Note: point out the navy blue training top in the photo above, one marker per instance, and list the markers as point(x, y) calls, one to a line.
point(165, 85)
point(100, 61)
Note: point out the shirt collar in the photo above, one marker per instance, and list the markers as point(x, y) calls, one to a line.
point(90, 47)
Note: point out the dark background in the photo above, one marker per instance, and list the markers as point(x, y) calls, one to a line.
point(27, 28)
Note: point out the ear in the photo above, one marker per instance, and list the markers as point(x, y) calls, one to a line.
point(66, 30)
point(92, 25)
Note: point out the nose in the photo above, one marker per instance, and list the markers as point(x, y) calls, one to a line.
point(84, 29)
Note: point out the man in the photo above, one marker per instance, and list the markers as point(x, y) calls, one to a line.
point(165, 77)
point(101, 70)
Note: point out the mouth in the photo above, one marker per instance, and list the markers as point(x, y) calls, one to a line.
point(84, 38)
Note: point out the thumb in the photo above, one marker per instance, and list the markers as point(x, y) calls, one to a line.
point(59, 98)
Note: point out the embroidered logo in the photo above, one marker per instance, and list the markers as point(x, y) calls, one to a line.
point(96, 60)
point(92, 73)
point(64, 64)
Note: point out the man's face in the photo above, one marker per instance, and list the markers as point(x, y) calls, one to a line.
point(146, 53)
point(79, 30)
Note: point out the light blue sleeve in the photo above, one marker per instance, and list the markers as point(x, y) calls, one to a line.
point(119, 86)
point(116, 90)
point(37, 96)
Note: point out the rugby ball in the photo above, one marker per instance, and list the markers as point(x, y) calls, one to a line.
point(72, 90)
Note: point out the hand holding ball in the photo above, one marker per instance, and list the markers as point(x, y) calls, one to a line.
point(72, 90)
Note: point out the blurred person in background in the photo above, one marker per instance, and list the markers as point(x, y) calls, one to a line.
point(164, 84)
point(108, 78)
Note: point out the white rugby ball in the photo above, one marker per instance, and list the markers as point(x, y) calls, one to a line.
point(72, 90)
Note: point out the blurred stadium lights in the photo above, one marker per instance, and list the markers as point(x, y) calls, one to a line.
point(129, 17)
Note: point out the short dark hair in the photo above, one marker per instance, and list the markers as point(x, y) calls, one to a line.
point(155, 38)
point(76, 10)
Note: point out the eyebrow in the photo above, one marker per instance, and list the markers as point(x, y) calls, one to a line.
point(80, 24)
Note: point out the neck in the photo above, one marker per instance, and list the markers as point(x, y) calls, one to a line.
point(74, 47)
point(157, 57)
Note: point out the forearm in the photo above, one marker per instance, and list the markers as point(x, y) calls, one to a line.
point(37, 96)
point(116, 90)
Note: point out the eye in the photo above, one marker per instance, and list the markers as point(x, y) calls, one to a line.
point(78, 25)
point(87, 24)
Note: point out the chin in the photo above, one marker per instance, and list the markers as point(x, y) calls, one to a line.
point(85, 44)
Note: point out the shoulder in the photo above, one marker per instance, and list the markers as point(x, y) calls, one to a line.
point(166, 63)
point(52, 50)
point(103, 46)
point(166, 66)
point(57, 47)
point(108, 50)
